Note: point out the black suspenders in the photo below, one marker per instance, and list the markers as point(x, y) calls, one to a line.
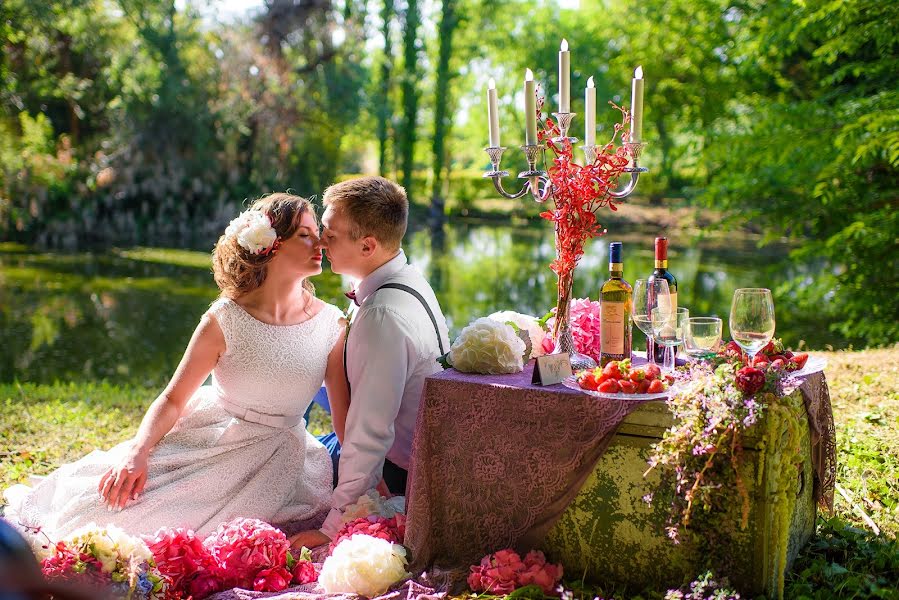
point(414, 292)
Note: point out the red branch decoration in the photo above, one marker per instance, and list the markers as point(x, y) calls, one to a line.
point(578, 193)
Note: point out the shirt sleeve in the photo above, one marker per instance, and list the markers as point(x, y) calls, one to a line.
point(377, 363)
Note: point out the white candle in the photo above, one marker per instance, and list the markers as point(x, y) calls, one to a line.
point(637, 106)
point(492, 115)
point(564, 78)
point(530, 108)
point(590, 114)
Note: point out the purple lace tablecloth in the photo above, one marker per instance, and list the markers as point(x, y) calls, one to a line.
point(496, 460)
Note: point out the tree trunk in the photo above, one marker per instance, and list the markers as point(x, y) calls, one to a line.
point(384, 111)
point(448, 23)
point(410, 94)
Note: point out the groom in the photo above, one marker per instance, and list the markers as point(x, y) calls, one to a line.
point(396, 334)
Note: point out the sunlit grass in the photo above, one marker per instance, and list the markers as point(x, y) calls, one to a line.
point(169, 256)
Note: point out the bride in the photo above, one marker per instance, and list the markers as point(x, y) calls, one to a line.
point(238, 447)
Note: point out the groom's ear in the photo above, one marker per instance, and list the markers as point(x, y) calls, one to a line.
point(369, 246)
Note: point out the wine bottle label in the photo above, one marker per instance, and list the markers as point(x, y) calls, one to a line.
point(612, 339)
point(673, 302)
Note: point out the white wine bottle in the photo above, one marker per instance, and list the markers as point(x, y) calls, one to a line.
point(615, 305)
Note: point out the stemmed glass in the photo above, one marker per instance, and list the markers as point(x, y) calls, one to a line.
point(651, 308)
point(702, 337)
point(670, 334)
point(752, 319)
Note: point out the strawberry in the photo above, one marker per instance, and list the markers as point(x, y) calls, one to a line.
point(655, 386)
point(610, 386)
point(733, 348)
point(653, 371)
point(627, 387)
point(760, 360)
point(612, 370)
point(669, 379)
point(800, 360)
point(777, 364)
point(643, 386)
point(588, 382)
point(769, 348)
point(637, 376)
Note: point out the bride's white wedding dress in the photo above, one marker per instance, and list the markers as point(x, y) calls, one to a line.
point(220, 460)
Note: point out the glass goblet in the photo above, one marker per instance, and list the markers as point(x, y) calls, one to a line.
point(702, 337)
point(670, 334)
point(752, 319)
point(650, 300)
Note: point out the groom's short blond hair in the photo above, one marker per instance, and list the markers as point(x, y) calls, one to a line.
point(374, 206)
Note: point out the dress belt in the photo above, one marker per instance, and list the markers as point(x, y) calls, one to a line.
point(248, 414)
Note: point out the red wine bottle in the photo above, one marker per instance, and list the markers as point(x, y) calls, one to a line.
point(661, 271)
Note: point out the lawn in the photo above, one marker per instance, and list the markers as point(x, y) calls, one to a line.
point(854, 555)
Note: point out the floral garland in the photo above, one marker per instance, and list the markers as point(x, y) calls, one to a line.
point(700, 456)
point(578, 193)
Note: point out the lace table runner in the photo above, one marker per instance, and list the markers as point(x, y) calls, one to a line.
point(496, 460)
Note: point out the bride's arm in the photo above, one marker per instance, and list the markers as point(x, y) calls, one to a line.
point(126, 480)
point(338, 393)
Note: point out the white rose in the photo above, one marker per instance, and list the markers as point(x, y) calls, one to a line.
point(363, 565)
point(488, 346)
point(527, 323)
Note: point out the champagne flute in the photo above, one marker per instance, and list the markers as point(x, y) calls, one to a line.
point(752, 319)
point(651, 300)
point(702, 336)
point(670, 333)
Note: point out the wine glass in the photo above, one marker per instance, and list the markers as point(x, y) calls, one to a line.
point(702, 336)
point(670, 334)
point(752, 319)
point(651, 300)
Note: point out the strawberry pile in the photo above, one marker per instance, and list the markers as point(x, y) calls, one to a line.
point(772, 357)
point(619, 377)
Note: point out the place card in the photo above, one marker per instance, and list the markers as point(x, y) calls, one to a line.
point(551, 369)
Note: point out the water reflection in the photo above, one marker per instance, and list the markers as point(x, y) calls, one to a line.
point(127, 315)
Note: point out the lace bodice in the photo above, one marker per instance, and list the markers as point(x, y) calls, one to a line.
point(273, 369)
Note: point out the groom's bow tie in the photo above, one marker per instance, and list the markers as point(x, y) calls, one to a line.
point(352, 296)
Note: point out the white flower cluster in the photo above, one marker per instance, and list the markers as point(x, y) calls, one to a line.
point(110, 545)
point(526, 323)
point(363, 565)
point(372, 504)
point(253, 230)
point(487, 346)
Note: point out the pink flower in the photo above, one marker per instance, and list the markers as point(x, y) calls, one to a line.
point(585, 326)
point(205, 584)
point(272, 580)
point(184, 561)
point(548, 345)
point(304, 572)
point(393, 529)
point(244, 547)
point(504, 571)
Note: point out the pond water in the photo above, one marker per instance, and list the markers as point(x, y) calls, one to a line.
point(126, 314)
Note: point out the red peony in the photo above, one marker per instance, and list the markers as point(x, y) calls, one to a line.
point(184, 561)
point(504, 571)
point(272, 580)
point(304, 572)
point(750, 380)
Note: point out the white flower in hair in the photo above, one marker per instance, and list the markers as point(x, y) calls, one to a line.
point(253, 230)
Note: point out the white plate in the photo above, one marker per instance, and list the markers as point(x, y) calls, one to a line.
point(571, 382)
point(814, 364)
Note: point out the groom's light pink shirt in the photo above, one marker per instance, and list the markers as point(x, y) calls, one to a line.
point(392, 348)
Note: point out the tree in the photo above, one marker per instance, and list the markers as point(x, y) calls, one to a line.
point(449, 20)
point(408, 134)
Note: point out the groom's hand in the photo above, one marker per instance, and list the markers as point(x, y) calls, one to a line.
point(310, 539)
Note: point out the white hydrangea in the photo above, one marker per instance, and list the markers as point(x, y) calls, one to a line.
point(109, 545)
point(363, 565)
point(527, 323)
point(253, 230)
point(488, 346)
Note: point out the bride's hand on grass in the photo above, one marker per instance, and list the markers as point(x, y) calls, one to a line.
point(125, 481)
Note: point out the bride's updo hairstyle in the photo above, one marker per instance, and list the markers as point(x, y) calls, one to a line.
point(239, 270)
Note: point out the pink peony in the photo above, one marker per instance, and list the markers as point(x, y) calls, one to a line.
point(504, 571)
point(393, 529)
point(304, 572)
point(244, 547)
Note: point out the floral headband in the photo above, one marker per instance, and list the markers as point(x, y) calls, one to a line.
point(254, 232)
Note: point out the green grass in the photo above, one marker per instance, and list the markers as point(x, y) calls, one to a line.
point(43, 426)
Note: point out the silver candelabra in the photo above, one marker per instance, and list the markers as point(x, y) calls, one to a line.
point(539, 184)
